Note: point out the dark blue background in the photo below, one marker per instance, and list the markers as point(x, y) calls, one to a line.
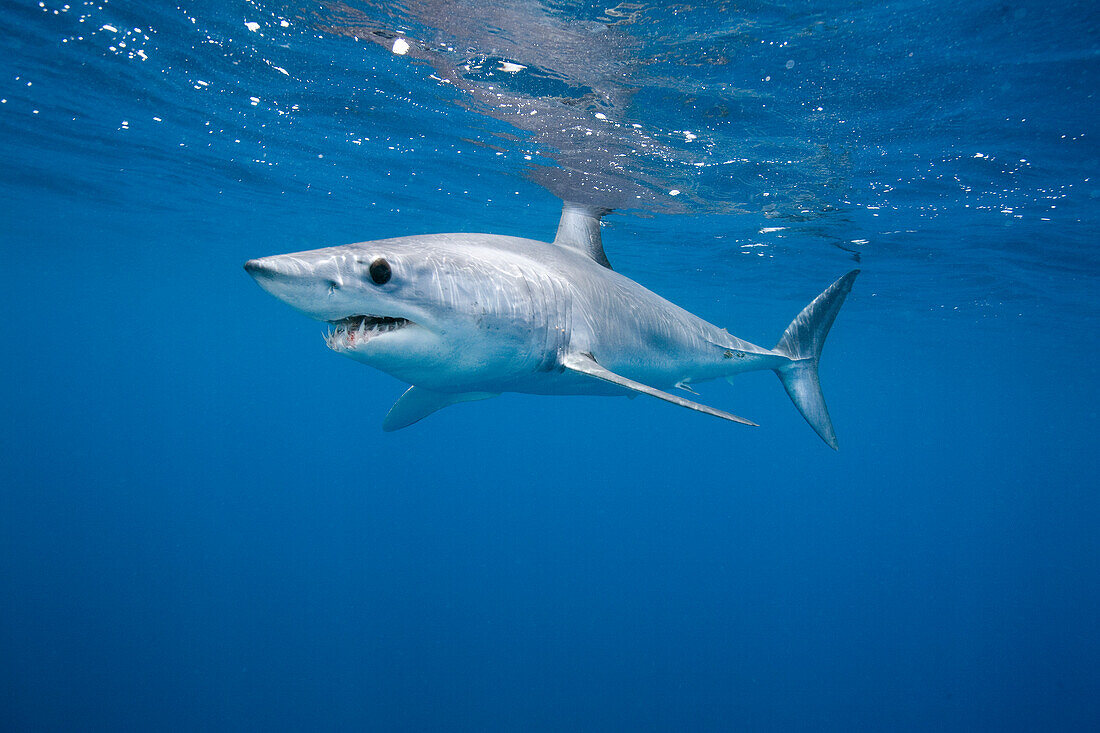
point(203, 527)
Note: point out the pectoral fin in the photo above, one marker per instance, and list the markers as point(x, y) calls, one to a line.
point(587, 364)
point(417, 403)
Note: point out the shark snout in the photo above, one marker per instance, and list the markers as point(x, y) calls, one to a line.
point(290, 271)
point(301, 266)
point(312, 284)
point(269, 267)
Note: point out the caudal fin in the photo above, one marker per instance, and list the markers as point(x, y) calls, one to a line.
point(801, 343)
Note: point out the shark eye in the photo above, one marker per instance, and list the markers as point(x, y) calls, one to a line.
point(380, 271)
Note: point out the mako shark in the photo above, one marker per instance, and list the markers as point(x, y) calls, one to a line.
point(466, 317)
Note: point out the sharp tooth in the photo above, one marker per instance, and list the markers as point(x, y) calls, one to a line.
point(362, 327)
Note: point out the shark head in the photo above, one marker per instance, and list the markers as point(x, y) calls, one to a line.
point(425, 314)
point(368, 294)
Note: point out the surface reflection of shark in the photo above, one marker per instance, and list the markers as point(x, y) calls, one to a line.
point(619, 105)
point(465, 317)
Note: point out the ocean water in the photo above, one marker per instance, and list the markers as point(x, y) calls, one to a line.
point(203, 527)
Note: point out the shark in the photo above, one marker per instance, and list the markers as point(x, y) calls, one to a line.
point(463, 317)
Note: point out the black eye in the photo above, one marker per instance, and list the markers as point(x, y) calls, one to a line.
point(380, 271)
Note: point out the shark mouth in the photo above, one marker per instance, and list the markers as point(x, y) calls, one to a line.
point(353, 330)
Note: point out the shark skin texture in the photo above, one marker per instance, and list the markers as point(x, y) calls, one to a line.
point(465, 317)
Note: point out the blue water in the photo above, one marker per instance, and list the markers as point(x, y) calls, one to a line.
point(203, 527)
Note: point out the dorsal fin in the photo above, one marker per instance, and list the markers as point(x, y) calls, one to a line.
point(579, 229)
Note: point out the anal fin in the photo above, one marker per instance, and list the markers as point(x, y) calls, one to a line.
point(686, 387)
point(417, 403)
point(587, 364)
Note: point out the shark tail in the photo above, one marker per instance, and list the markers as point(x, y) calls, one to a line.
point(801, 344)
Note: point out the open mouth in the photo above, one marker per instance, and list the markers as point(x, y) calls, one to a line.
point(353, 330)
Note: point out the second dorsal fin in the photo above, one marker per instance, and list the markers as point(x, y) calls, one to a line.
point(579, 229)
